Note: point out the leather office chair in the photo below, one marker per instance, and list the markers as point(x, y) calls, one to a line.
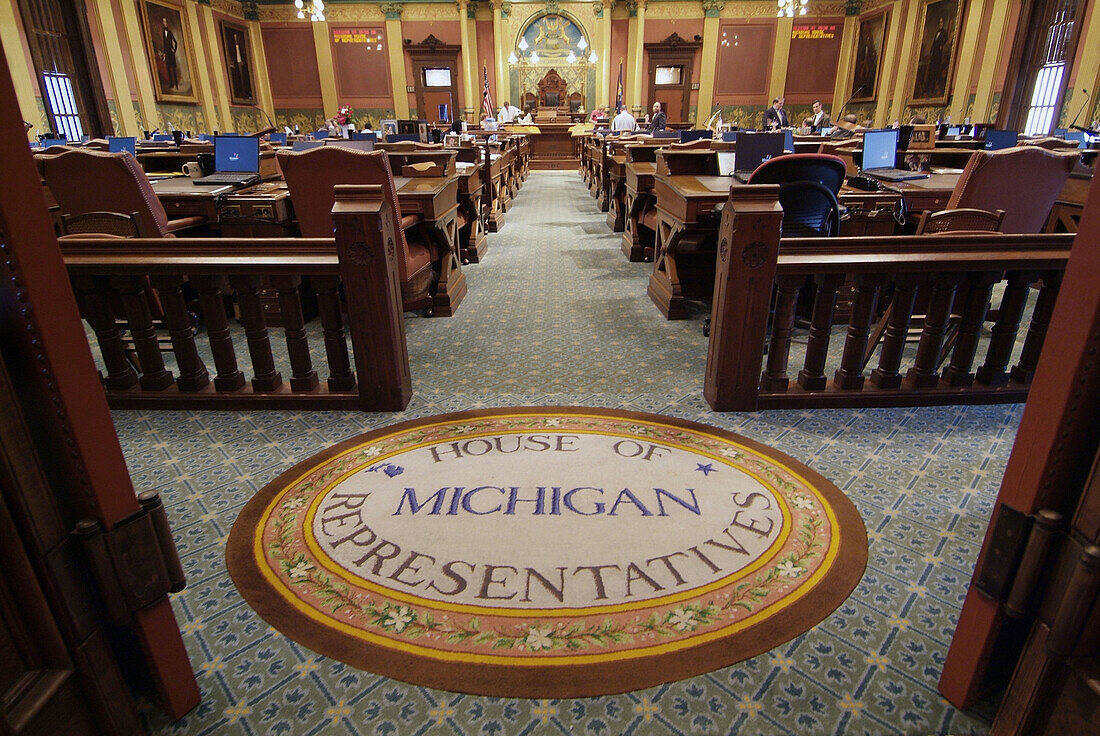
point(92, 181)
point(311, 176)
point(1023, 181)
point(808, 187)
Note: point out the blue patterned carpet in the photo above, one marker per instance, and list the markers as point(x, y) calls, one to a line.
point(556, 316)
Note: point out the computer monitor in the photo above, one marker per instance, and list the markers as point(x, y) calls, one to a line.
point(1080, 136)
point(360, 145)
point(361, 136)
point(997, 139)
point(399, 137)
point(48, 142)
point(206, 137)
point(687, 136)
point(754, 149)
point(788, 141)
point(277, 139)
point(954, 130)
point(727, 161)
point(306, 145)
point(321, 133)
point(236, 154)
point(880, 149)
point(729, 136)
point(162, 138)
point(117, 144)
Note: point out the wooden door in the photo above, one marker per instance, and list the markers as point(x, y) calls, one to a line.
point(671, 69)
point(1015, 602)
point(435, 76)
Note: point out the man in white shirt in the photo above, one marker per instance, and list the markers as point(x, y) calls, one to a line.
point(820, 118)
point(508, 113)
point(624, 121)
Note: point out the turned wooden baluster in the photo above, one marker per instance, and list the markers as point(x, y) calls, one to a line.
point(980, 287)
point(993, 373)
point(303, 377)
point(812, 375)
point(193, 375)
point(341, 377)
point(850, 374)
point(775, 377)
point(1024, 371)
point(897, 330)
point(264, 375)
point(229, 376)
point(154, 376)
point(95, 308)
point(924, 373)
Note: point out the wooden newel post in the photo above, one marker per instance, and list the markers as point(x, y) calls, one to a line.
point(748, 247)
point(367, 247)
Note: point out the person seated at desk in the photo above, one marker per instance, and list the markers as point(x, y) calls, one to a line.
point(775, 117)
point(845, 127)
point(526, 119)
point(624, 121)
point(659, 120)
point(600, 113)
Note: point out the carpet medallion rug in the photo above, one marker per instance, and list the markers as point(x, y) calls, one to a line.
point(546, 552)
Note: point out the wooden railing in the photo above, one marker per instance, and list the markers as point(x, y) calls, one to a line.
point(952, 276)
point(359, 263)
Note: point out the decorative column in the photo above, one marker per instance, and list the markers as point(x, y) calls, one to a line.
point(112, 51)
point(500, 13)
point(322, 44)
point(13, 50)
point(712, 9)
point(259, 57)
point(778, 79)
point(994, 41)
point(143, 75)
point(396, 52)
point(214, 100)
point(469, 86)
point(1088, 74)
point(848, 42)
point(602, 44)
point(636, 54)
point(900, 61)
point(966, 68)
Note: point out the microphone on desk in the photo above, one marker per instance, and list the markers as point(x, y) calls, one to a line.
point(271, 128)
point(856, 92)
point(1081, 109)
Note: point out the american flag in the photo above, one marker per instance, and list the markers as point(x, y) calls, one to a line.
point(619, 89)
point(486, 97)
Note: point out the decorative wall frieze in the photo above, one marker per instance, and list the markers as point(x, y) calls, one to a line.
point(552, 6)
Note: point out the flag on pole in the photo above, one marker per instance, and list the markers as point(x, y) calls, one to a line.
point(619, 89)
point(486, 97)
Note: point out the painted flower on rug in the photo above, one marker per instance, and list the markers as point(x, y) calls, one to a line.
point(538, 637)
point(369, 452)
point(801, 502)
point(294, 503)
point(397, 618)
point(788, 568)
point(463, 428)
point(683, 619)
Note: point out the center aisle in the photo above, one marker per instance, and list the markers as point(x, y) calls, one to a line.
point(556, 308)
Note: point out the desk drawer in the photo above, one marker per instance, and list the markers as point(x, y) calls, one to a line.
point(186, 207)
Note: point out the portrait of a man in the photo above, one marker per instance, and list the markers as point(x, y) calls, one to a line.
point(167, 43)
point(872, 34)
point(237, 64)
point(939, 31)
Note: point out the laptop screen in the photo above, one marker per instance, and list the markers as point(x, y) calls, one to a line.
point(997, 139)
point(788, 140)
point(277, 139)
point(232, 153)
point(880, 149)
point(754, 149)
point(117, 144)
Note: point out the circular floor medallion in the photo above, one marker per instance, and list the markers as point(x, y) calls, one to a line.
point(546, 552)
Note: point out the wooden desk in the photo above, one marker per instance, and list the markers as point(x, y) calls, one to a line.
point(473, 242)
point(182, 198)
point(924, 194)
point(552, 147)
point(638, 190)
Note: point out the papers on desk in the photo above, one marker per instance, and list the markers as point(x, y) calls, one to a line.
point(945, 170)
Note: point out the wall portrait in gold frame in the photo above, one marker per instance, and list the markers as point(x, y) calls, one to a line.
point(168, 43)
point(868, 66)
point(935, 51)
point(238, 66)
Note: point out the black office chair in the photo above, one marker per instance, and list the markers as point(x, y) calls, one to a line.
point(808, 187)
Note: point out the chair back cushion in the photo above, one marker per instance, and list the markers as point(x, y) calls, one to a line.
point(809, 210)
point(823, 168)
point(311, 176)
point(1023, 181)
point(93, 181)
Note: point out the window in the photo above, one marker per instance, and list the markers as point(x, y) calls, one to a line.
point(437, 77)
point(62, 104)
point(1049, 52)
point(668, 74)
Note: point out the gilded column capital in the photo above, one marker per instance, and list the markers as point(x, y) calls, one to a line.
point(251, 9)
point(713, 8)
point(599, 6)
point(853, 7)
point(392, 10)
point(505, 8)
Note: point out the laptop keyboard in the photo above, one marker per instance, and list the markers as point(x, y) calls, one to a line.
point(228, 178)
point(895, 174)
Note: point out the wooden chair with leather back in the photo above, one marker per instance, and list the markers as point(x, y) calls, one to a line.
point(311, 176)
point(1023, 181)
point(93, 181)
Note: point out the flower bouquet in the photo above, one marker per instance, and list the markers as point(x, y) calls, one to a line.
point(344, 115)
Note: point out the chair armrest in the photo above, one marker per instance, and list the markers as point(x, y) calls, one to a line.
point(184, 223)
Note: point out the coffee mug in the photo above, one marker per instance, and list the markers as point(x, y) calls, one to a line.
point(206, 163)
point(192, 169)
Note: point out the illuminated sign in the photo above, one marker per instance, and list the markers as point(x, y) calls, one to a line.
point(824, 31)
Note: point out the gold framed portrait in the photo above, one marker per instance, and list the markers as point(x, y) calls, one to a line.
point(935, 51)
point(868, 66)
point(237, 53)
point(168, 43)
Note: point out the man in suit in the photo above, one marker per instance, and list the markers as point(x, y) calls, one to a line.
point(168, 51)
point(659, 120)
point(820, 119)
point(775, 116)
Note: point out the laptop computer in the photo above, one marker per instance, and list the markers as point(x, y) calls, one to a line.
point(117, 144)
point(998, 139)
point(880, 155)
point(300, 146)
point(277, 139)
point(754, 149)
point(362, 145)
point(236, 161)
